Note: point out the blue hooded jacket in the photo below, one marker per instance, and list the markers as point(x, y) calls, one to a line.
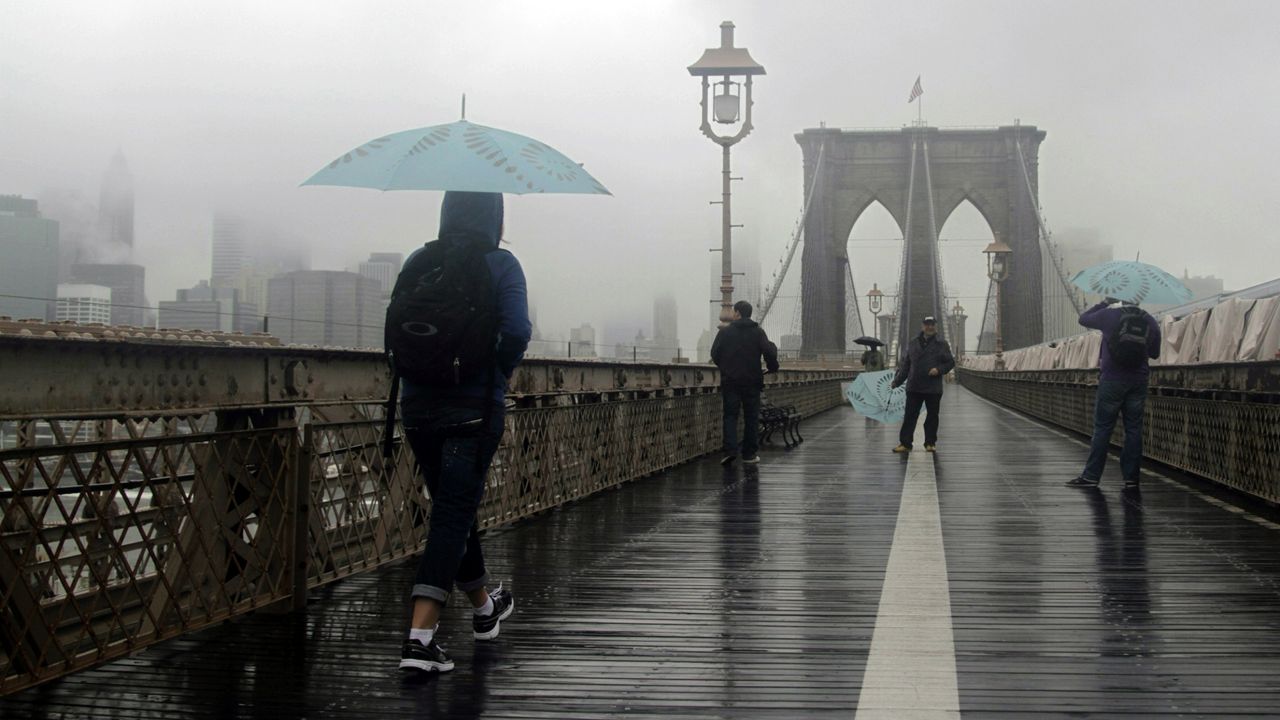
point(473, 214)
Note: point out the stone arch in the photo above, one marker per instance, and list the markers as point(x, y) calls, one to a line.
point(859, 167)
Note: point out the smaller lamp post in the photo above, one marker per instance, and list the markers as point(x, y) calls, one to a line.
point(957, 328)
point(998, 261)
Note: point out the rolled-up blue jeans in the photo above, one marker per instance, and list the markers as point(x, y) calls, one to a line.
point(454, 447)
point(1116, 398)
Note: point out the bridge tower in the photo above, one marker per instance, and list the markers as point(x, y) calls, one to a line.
point(920, 175)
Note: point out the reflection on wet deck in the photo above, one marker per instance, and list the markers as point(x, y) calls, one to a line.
point(756, 593)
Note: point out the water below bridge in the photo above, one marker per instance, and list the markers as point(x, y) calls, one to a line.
point(833, 580)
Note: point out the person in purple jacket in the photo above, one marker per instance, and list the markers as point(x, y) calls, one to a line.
point(454, 432)
point(1130, 339)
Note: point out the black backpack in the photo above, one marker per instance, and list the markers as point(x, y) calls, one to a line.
point(1128, 344)
point(442, 321)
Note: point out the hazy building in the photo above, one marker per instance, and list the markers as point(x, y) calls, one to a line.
point(1201, 287)
point(383, 268)
point(205, 307)
point(582, 341)
point(705, 340)
point(230, 249)
point(128, 289)
point(1078, 248)
point(84, 304)
point(666, 330)
point(326, 307)
point(115, 211)
point(28, 260)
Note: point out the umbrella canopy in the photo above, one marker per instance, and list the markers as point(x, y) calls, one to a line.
point(1133, 282)
point(459, 156)
point(869, 341)
point(870, 395)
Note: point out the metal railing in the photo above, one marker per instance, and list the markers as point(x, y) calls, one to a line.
point(1220, 422)
point(156, 514)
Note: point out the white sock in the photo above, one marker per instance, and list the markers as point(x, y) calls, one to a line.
point(486, 609)
point(422, 635)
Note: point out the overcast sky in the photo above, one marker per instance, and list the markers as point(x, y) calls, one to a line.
point(1160, 116)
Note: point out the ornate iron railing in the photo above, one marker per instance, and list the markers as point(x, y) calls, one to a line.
point(122, 527)
point(1220, 422)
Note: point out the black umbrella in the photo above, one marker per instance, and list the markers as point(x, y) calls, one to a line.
point(869, 341)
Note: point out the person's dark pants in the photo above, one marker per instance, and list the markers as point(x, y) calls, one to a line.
point(746, 399)
point(447, 446)
point(931, 402)
point(1113, 399)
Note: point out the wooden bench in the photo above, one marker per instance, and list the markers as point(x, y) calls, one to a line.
point(784, 418)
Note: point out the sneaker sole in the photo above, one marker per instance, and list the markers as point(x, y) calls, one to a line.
point(426, 666)
point(498, 625)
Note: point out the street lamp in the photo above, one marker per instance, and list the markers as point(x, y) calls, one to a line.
point(727, 63)
point(998, 261)
point(957, 328)
point(875, 300)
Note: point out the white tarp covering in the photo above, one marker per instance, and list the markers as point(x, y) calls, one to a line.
point(1262, 331)
point(1223, 331)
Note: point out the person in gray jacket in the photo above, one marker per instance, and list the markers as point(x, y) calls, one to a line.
point(924, 361)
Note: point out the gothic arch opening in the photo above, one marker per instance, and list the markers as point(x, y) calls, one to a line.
point(961, 240)
point(874, 248)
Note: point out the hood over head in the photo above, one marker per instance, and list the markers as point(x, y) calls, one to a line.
point(471, 215)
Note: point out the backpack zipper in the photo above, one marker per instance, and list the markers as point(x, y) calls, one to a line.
point(457, 371)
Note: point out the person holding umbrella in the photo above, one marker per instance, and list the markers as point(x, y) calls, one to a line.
point(457, 326)
point(872, 358)
point(1130, 340)
point(924, 361)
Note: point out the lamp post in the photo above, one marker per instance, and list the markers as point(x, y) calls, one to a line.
point(875, 301)
point(998, 261)
point(727, 63)
point(957, 328)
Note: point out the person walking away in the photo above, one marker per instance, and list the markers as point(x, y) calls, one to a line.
point(457, 326)
point(737, 351)
point(1130, 340)
point(925, 360)
point(873, 360)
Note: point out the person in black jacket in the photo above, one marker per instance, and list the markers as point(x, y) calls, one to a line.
point(737, 351)
point(923, 363)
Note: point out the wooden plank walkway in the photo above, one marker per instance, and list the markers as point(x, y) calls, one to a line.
point(755, 593)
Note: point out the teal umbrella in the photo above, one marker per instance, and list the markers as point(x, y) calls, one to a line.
point(870, 395)
point(458, 156)
point(1134, 282)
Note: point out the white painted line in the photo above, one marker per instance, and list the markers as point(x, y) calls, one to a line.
point(911, 669)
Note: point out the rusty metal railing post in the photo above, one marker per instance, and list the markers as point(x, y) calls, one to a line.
point(300, 512)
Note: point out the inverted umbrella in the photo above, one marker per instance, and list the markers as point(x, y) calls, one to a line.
point(1132, 281)
point(870, 395)
point(459, 156)
point(869, 341)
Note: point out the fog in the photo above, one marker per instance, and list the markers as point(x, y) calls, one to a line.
point(1159, 116)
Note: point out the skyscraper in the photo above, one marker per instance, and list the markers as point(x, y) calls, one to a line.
point(230, 247)
point(28, 260)
point(326, 307)
point(115, 211)
point(666, 335)
point(383, 267)
point(208, 308)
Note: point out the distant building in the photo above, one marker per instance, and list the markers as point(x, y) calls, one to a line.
point(128, 289)
point(84, 304)
point(1201, 287)
point(383, 268)
point(582, 341)
point(115, 211)
point(705, 341)
point(327, 308)
point(28, 260)
point(204, 307)
point(230, 250)
point(666, 331)
point(1078, 248)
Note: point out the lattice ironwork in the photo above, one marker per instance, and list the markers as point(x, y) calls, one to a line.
point(1234, 440)
point(135, 530)
point(106, 547)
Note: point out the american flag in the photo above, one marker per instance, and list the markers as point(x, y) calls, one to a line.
point(916, 91)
